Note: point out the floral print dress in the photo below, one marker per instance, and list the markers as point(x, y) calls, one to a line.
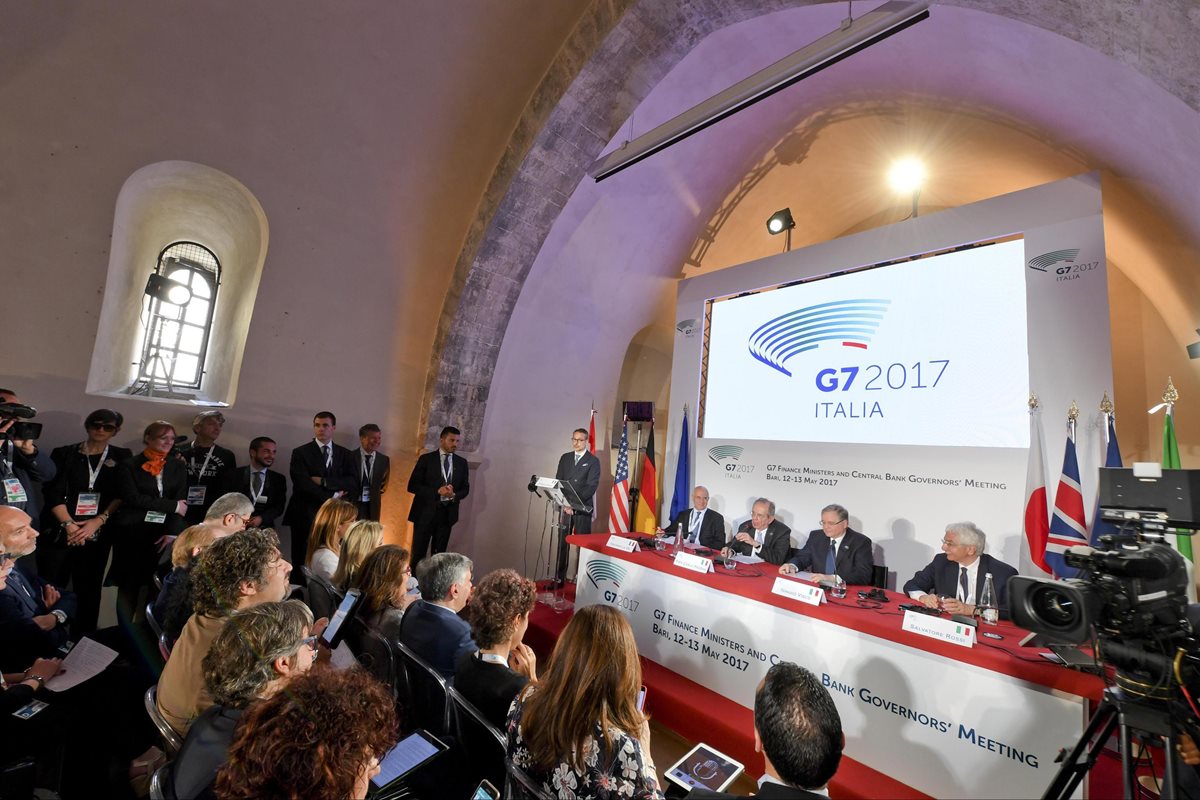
point(627, 775)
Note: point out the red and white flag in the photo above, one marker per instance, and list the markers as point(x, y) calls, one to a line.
point(618, 507)
point(1037, 517)
point(592, 433)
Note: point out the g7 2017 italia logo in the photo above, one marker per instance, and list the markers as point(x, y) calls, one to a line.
point(850, 323)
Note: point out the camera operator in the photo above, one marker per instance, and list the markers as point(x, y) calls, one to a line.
point(23, 468)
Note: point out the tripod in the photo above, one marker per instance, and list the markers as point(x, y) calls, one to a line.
point(1130, 717)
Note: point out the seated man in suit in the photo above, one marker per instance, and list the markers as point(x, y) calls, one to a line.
point(33, 614)
point(835, 549)
point(431, 627)
point(799, 732)
point(266, 488)
point(762, 535)
point(699, 524)
point(957, 573)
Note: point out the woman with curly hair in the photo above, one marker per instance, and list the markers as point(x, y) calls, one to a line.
point(499, 615)
point(578, 732)
point(361, 538)
point(383, 580)
point(319, 740)
point(325, 542)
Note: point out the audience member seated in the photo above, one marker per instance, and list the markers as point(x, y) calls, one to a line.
point(835, 549)
point(173, 606)
point(252, 658)
point(956, 575)
point(319, 740)
point(361, 538)
point(79, 501)
point(431, 627)
point(383, 581)
point(232, 574)
point(762, 535)
point(33, 614)
point(325, 541)
point(493, 675)
point(578, 732)
point(229, 513)
point(799, 732)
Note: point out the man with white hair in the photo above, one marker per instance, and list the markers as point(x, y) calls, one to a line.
point(957, 574)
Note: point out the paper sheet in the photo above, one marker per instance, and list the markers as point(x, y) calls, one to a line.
point(86, 660)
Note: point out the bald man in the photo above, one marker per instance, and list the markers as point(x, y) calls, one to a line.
point(699, 524)
point(33, 614)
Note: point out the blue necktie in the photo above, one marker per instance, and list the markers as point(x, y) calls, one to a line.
point(962, 584)
point(831, 558)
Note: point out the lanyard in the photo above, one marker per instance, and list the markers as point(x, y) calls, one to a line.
point(7, 456)
point(93, 474)
point(204, 466)
point(447, 462)
point(492, 658)
point(368, 466)
point(158, 479)
point(254, 497)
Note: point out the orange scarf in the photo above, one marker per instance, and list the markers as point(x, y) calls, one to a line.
point(155, 461)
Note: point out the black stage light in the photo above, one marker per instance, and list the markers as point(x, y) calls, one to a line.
point(780, 221)
point(167, 291)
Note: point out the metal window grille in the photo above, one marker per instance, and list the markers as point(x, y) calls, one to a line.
point(178, 335)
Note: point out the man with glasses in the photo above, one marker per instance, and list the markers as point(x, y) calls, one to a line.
point(698, 525)
point(229, 513)
point(835, 549)
point(762, 535)
point(432, 627)
point(581, 469)
point(954, 579)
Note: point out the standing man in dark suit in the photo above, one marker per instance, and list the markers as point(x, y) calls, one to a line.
point(699, 524)
point(438, 483)
point(836, 548)
point(581, 469)
point(266, 488)
point(208, 465)
point(374, 471)
point(957, 573)
point(320, 470)
point(762, 535)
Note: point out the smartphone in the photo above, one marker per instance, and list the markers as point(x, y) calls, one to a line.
point(704, 768)
point(641, 699)
point(409, 753)
point(332, 635)
point(485, 791)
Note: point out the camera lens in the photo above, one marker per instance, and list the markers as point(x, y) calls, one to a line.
point(1053, 607)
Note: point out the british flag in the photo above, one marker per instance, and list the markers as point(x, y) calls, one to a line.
point(618, 507)
point(1068, 526)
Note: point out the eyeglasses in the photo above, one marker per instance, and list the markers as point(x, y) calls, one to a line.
point(825, 524)
point(949, 543)
point(310, 642)
point(102, 426)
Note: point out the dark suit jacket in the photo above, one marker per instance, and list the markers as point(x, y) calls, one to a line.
point(940, 577)
point(274, 497)
point(32, 471)
point(424, 482)
point(380, 472)
point(307, 463)
point(774, 791)
point(23, 640)
point(712, 527)
point(436, 634)
point(776, 544)
point(854, 559)
point(204, 751)
point(584, 477)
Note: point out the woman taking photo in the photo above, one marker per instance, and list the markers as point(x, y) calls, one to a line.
point(578, 733)
point(153, 485)
point(325, 542)
point(80, 502)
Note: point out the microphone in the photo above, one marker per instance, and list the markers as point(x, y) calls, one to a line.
point(533, 485)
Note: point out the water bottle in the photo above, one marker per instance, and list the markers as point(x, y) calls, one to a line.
point(678, 548)
point(839, 587)
point(988, 610)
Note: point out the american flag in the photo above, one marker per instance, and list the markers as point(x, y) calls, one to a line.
point(618, 507)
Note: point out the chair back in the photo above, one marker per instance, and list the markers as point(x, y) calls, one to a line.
point(483, 744)
point(520, 786)
point(428, 696)
point(164, 644)
point(172, 740)
point(160, 784)
point(323, 598)
point(375, 653)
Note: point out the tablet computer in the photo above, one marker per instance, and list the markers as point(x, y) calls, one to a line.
point(332, 635)
point(409, 753)
point(704, 767)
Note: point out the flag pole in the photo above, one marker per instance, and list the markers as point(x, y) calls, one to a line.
point(1072, 418)
point(1107, 415)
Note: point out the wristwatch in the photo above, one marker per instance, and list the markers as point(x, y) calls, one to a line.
point(60, 615)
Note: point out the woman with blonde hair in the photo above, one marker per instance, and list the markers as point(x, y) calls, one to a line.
point(173, 606)
point(578, 731)
point(328, 529)
point(361, 538)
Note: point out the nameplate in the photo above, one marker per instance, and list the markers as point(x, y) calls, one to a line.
point(804, 592)
point(945, 630)
point(693, 562)
point(623, 544)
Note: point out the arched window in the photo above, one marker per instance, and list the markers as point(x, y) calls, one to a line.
point(177, 320)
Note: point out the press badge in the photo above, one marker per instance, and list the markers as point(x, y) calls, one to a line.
point(196, 495)
point(155, 516)
point(14, 491)
point(366, 495)
point(88, 504)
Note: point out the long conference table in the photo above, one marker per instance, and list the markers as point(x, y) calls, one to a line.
point(922, 717)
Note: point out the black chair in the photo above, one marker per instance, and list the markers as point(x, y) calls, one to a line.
point(879, 574)
point(323, 598)
point(428, 702)
point(160, 784)
point(520, 786)
point(376, 654)
point(481, 746)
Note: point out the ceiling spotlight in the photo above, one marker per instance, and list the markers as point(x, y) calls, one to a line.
point(780, 221)
point(1193, 350)
point(907, 175)
point(167, 291)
